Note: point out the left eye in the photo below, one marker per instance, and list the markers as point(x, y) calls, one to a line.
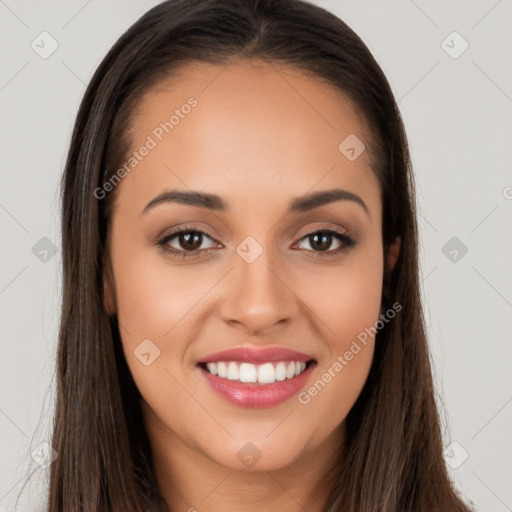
point(322, 240)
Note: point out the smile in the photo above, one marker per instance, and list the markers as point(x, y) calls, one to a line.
point(250, 377)
point(266, 373)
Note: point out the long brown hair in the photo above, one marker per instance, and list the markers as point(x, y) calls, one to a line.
point(393, 460)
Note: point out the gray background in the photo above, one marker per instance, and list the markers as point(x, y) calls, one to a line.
point(458, 117)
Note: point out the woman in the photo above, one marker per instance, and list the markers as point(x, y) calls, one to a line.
point(241, 324)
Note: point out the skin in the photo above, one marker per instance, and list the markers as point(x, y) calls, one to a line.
point(260, 136)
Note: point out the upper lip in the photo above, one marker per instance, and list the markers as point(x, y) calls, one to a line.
point(256, 355)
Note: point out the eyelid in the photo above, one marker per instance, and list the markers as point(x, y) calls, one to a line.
point(185, 228)
point(340, 231)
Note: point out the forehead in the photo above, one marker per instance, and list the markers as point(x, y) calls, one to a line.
point(246, 127)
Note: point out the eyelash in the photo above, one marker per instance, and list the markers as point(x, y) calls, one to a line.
point(347, 242)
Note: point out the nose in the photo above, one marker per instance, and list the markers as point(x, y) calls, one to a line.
point(258, 297)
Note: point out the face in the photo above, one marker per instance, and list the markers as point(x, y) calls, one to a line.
point(288, 277)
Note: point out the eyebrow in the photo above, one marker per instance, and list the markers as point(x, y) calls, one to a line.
point(216, 203)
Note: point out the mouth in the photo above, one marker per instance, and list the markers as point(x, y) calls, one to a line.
point(257, 378)
point(261, 374)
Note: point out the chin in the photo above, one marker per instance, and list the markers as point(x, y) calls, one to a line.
point(259, 453)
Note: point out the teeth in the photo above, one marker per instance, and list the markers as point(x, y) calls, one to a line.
point(280, 371)
point(266, 373)
point(221, 370)
point(212, 368)
point(247, 373)
point(232, 371)
point(263, 374)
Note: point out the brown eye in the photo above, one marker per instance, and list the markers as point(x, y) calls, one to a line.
point(186, 242)
point(320, 242)
point(190, 241)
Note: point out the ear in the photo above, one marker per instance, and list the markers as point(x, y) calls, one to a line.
point(393, 253)
point(109, 295)
point(390, 261)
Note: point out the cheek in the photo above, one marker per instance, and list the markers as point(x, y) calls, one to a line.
point(154, 303)
point(153, 297)
point(347, 302)
point(159, 302)
point(335, 388)
point(346, 298)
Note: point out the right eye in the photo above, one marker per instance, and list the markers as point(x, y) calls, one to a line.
point(189, 242)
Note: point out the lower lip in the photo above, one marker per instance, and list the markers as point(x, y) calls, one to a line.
point(257, 395)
